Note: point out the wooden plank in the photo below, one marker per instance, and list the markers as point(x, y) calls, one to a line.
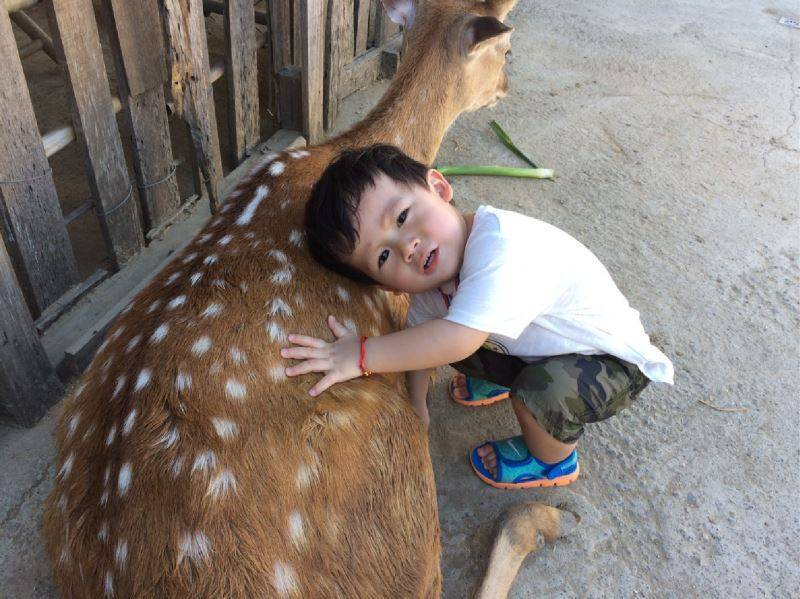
point(374, 23)
point(281, 24)
point(242, 77)
point(312, 14)
point(31, 219)
point(69, 299)
point(142, 47)
point(290, 98)
point(362, 26)
point(32, 29)
point(28, 384)
point(374, 64)
point(78, 44)
point(146, 115)
point(297, 31)
point(339, 38)
point(191, 87)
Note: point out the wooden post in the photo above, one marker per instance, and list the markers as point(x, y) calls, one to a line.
point(28, 384)
point(32, 29)
point(281, 29)
point(78, 44)
point(290, 98)
point(138, 49)
point(340, 52)
point(362, 26)
point(242, 77)
point(32, 221)
point(312, 14)
point(191, 86)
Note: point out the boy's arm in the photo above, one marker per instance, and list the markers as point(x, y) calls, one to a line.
point(433, 343)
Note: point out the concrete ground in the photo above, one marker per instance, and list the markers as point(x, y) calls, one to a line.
point(673, 128)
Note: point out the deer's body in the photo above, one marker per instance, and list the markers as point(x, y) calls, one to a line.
point(189, 465)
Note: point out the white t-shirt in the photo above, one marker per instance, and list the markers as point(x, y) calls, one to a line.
point(539, 292)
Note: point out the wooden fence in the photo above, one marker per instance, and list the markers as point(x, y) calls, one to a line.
point(320, 51)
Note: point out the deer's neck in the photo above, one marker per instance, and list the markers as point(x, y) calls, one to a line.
point(414, 114)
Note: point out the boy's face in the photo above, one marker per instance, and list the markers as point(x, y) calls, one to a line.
point(410, 239)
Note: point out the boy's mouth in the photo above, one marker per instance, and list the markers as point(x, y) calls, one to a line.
point(430, 261)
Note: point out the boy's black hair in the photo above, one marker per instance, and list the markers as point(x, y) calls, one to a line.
point(331, 213)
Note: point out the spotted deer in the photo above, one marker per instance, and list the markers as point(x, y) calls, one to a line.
point(190, 466)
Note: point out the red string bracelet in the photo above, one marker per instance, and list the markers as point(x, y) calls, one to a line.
point(362, 355)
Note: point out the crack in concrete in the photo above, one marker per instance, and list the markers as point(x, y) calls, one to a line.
point(782, 142)
point(15, 509)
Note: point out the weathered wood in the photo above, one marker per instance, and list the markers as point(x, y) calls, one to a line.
point(242, 77)
point(374, 23)
point(362, 26)
point(32, 30)
point(31, 48)
point(191, 86)
point(339, 53)
point(290, 98)
point(281, 28)
point(374, 64)
point(146, 115)
point(78, 45)
point(28, 384)
point(70, 298)
point(32, 223)
point(298, 31)
point(312, 13)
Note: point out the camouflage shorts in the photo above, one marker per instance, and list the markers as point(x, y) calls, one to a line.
point(562, 392)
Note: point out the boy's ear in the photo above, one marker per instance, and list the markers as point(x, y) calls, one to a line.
point(439, 185)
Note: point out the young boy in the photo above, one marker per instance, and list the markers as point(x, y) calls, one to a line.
point(518, 306)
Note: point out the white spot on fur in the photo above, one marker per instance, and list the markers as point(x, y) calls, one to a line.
point(298, 154)
point(225, 240)
point(183, 381)
point(129, 422)
point(213, 309)
point(222, 484)
point(298, 299)
point(280, 307)
point(189, 258)
point(196, 547)
point(104, 498)
point(73, 425)
point(112, 432)
point(118, 387)
point(176, 302)
point(117, 333)
point(244, 286)
point(217, 221)
point(159, 334)
point(124, 479)
point(398, 140)
point(207, 236)
point(205, 462)
point(235, 389)
point(219, 283)
point(66, 467)
point(106, 474)
point(237, 356)
point(296, 532)
point(275, 332)
point(62, 502)
point(350, 325)
point(143, 379)
point(152, 307)
point(169, 438)
point(282, 277)
point(226, 429)
point(284, 579)
point(216, 367)
point(249, 211)
point(173, 277)
point(177, 465)
point(132, 344)
point(121, 554)
point(306, 474)
point(80, 389)
point(279, 255)
point(211, 259)
point(296, 238)
point(201, 345)
point(342, 293)
point(284, 204)
point(195, 278)
point(102, 534)
point(88, 432)
point(277, 373)
point(108, 585)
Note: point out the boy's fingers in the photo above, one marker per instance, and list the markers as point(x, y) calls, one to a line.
point(323, 384)
point(307, 341)
point(308, 366)
point(338, 328)
point(303, 353)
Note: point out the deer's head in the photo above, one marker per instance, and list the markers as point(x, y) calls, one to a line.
point(459, 43)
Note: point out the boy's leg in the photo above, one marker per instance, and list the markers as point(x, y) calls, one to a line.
point(553, 399)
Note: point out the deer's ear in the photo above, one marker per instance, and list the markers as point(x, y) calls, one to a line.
point(401, 12)
point(480, 31)
point(500, 8)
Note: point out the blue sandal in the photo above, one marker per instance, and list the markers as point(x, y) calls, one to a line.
point(481, 393)
point(518, 469)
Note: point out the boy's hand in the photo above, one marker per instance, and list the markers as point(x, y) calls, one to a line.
point(338, 360)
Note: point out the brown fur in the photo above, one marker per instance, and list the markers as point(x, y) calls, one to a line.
point(240, 484)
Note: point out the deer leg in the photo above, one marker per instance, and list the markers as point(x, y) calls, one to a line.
point(522, 528)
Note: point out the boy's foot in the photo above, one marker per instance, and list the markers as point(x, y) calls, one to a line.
point(471, 391)
point(508, 464)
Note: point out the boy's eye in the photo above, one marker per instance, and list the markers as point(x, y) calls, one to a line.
point(401, 218)
point(383, 257)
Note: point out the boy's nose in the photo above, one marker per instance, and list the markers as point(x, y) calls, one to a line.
point(411, 249)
